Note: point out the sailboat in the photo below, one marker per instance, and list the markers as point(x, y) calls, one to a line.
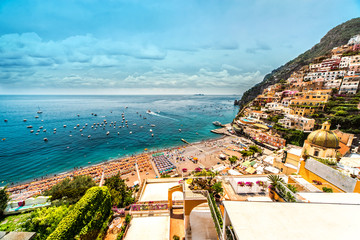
point(39, 111)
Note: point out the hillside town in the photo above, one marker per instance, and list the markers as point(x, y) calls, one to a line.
point(287, 167)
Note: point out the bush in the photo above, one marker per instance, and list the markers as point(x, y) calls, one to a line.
point(72, 190)
point(45, 220)
point(326, 189)
point(87, 216)
point(4, 198)
point(176, 237)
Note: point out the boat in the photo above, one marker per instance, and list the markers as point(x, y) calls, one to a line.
point(95, 114)
point(130, 132)
point(41, 127)
point(64, 126)
point(149, 112)
point(107, 133)
point(54, 129)
point(45, 140)
point(30, 126)
point(31, 131)
point(5, 120)
point(217, 123)
point(36, 116)
point(39, 111)
point(152, 125)
point(44, 130)
point(24, 120)
point(150, 130)
point(134, 124)
point(89, 136)
point(152, 135)
point(179, 130)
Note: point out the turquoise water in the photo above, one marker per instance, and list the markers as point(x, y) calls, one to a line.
point(25, 156)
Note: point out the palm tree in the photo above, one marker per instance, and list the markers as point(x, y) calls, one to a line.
point(275, 179)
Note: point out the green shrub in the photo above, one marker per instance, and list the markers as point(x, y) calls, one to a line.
point(176, 237)
point(87, 216)
point(326, 189)
point(72, 190)
point(45, 220)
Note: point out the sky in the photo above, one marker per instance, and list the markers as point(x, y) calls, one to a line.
point(153, 46)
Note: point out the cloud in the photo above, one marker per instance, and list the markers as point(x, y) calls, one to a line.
point(258, 48)
point(29, 50)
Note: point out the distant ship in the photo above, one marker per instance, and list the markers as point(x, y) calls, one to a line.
point(199, 94)
point(39, 111)
point(149, 111)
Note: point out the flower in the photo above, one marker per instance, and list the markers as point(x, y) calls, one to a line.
point(249, 184)
point(241, 184)
point(260, 183)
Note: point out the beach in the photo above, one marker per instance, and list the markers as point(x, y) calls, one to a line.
point(204, 154)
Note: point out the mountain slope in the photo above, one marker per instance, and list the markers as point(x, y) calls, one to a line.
point(335, 37)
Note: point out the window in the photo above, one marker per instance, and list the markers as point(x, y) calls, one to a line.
point(316, 153)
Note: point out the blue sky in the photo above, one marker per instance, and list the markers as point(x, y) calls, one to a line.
point(155, 47)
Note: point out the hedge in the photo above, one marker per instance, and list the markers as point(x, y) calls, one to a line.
point(87, 217)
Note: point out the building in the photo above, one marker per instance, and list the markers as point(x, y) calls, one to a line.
point(322, 143)
point(310, 102)
point(297, 122)
point(350, 85)
point(265, 138)
point(258, 115)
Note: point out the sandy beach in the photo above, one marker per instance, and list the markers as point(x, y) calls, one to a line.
point(203, 154)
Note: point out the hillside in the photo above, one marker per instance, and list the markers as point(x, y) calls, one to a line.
point(335, 37)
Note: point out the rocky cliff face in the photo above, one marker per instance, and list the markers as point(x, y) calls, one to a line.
point(337, 36)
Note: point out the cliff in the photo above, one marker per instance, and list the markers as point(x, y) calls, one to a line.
point(335, 37)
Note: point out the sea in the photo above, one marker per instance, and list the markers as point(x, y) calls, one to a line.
point(154, 122)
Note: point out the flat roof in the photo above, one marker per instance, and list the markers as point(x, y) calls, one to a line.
point(157, 191)
point(276, 220)
point(149, 228)
point(341, 198)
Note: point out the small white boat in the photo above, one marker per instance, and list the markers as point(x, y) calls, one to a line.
point(118, 133)
point(134, 124)
point(152, 125)
point(44, 130)
point(70, 135)
point(38, 130)
point(107, 133)
point(41, 127)
point(152, 135)
point(54, 129)
point(89, 136)
point(78, 125)
point(74, 127)
point(80, 130)
point(30, 126)
point(150, 130)
point(179, 130)
point(31, 131)
point(24, 120)
point(130, 132)
point(45, 139)
point(64, 126)
point(37, 133)
point(36, 116)
point(5, 120)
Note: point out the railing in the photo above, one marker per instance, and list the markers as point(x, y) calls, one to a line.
point(215, 215)
point(286, 191)
point(229, 233)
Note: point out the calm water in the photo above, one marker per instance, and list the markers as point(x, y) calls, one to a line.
point(25, 156)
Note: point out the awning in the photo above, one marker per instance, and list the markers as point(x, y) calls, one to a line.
point(290, 166)
point(252, 163)
point(250, 170)
point(246, 164)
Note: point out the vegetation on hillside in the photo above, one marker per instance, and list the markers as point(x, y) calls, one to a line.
point(335, 37)
point(121, 194)
point(70, 190)
point(4, 198)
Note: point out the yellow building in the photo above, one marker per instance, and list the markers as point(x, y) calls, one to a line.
point(308, 103)
point(322, 143)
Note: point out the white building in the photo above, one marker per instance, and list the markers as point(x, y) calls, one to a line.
point(297, 122)
point(350, 85)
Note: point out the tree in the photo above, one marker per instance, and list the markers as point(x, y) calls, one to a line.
point(217, 188)
point(4, 198)
point(72, 190)
point(233, 159)
point(121, 194)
